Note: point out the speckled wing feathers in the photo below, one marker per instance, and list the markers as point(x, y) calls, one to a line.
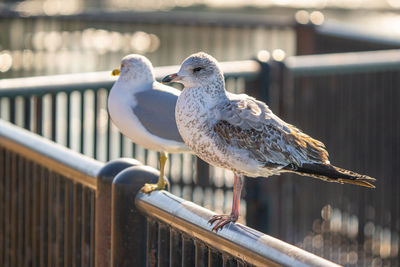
point(247, 123)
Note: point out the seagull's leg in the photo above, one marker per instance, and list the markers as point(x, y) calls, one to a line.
point(160, 185)
point(222, 220)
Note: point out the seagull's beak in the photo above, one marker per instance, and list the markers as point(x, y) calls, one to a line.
point(115, 72)
point(170, 78)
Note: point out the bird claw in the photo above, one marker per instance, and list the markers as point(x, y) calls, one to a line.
point(222, 220)
point(148, 188)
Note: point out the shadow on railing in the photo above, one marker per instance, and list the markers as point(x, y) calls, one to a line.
point(53, 211)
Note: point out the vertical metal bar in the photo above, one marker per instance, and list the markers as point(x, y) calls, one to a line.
point(7, 216)
point(82, 119)
point(108, 139)
point(12, 109)
point(74, 232)
point(2, 202)
point(53, 116)
point(201, 254)
point(50, 219)
point(67, 224)
point(175, 248)
point(188, 251)
point(203, 173)
point(13, 201)
point(151, 246)
point(121, 145)
point(20, 208)
point(95, 130)
point(68, 126)
point(27, 112)
point(28, 211)
point(163, 245)
point(35, 215)
point(214, 258)
point(92, 229)
point(43, 226)
point(83, 215)
point(38, 115)
point(60, 220)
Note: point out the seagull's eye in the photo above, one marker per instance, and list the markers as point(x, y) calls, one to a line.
point(122, 65)
point(197, 69)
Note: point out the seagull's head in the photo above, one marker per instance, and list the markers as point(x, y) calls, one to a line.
point(135, 68)
point(198, 70)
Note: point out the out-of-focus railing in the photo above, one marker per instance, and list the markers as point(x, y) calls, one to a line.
point(47, 206)
point(72, 110)
point(350, 102)
point(96, 41)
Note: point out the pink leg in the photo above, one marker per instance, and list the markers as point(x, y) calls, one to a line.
point(222, 220)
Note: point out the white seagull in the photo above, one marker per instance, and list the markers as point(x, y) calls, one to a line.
point(144, 111)
point(240, 133)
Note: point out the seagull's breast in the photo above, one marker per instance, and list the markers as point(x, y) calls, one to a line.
point(195, 119)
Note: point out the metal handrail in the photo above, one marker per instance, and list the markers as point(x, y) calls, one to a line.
point(343, 62)
point(103, 79)
point(346, 31)
point(72, 165)
point(237, 240)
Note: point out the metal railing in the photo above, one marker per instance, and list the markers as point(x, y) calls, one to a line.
point(57, 209)
point(47, 207)
point(71, 110)
point(177, 233)
point(349, 102)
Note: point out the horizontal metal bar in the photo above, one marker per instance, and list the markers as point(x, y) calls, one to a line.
point(348, 31)
point(343, 62)
point(103, 79)
point(55, 157)
point(162, 17)
point(237, 240)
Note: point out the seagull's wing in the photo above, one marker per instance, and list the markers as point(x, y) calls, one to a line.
point(156, 111)
point(249, 124)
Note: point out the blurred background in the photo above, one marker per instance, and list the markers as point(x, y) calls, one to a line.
point(350, 107)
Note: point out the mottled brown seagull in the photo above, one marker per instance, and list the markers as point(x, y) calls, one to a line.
point(240, 133)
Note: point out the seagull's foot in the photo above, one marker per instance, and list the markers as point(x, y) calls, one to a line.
point(222, 220)
point(148, 188)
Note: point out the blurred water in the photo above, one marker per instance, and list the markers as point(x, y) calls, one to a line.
point(42, 46)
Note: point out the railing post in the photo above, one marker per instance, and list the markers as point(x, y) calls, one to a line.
point(305, 39)
point(103, 208)
point(128, 234)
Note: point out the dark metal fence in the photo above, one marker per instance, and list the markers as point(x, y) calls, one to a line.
point(350, 102)
point(57, 209)
point(47, 202)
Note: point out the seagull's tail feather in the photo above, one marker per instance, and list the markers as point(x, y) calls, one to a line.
point(332, 173)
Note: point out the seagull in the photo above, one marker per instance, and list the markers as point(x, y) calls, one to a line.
point(240, 133)
point(144, 111)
